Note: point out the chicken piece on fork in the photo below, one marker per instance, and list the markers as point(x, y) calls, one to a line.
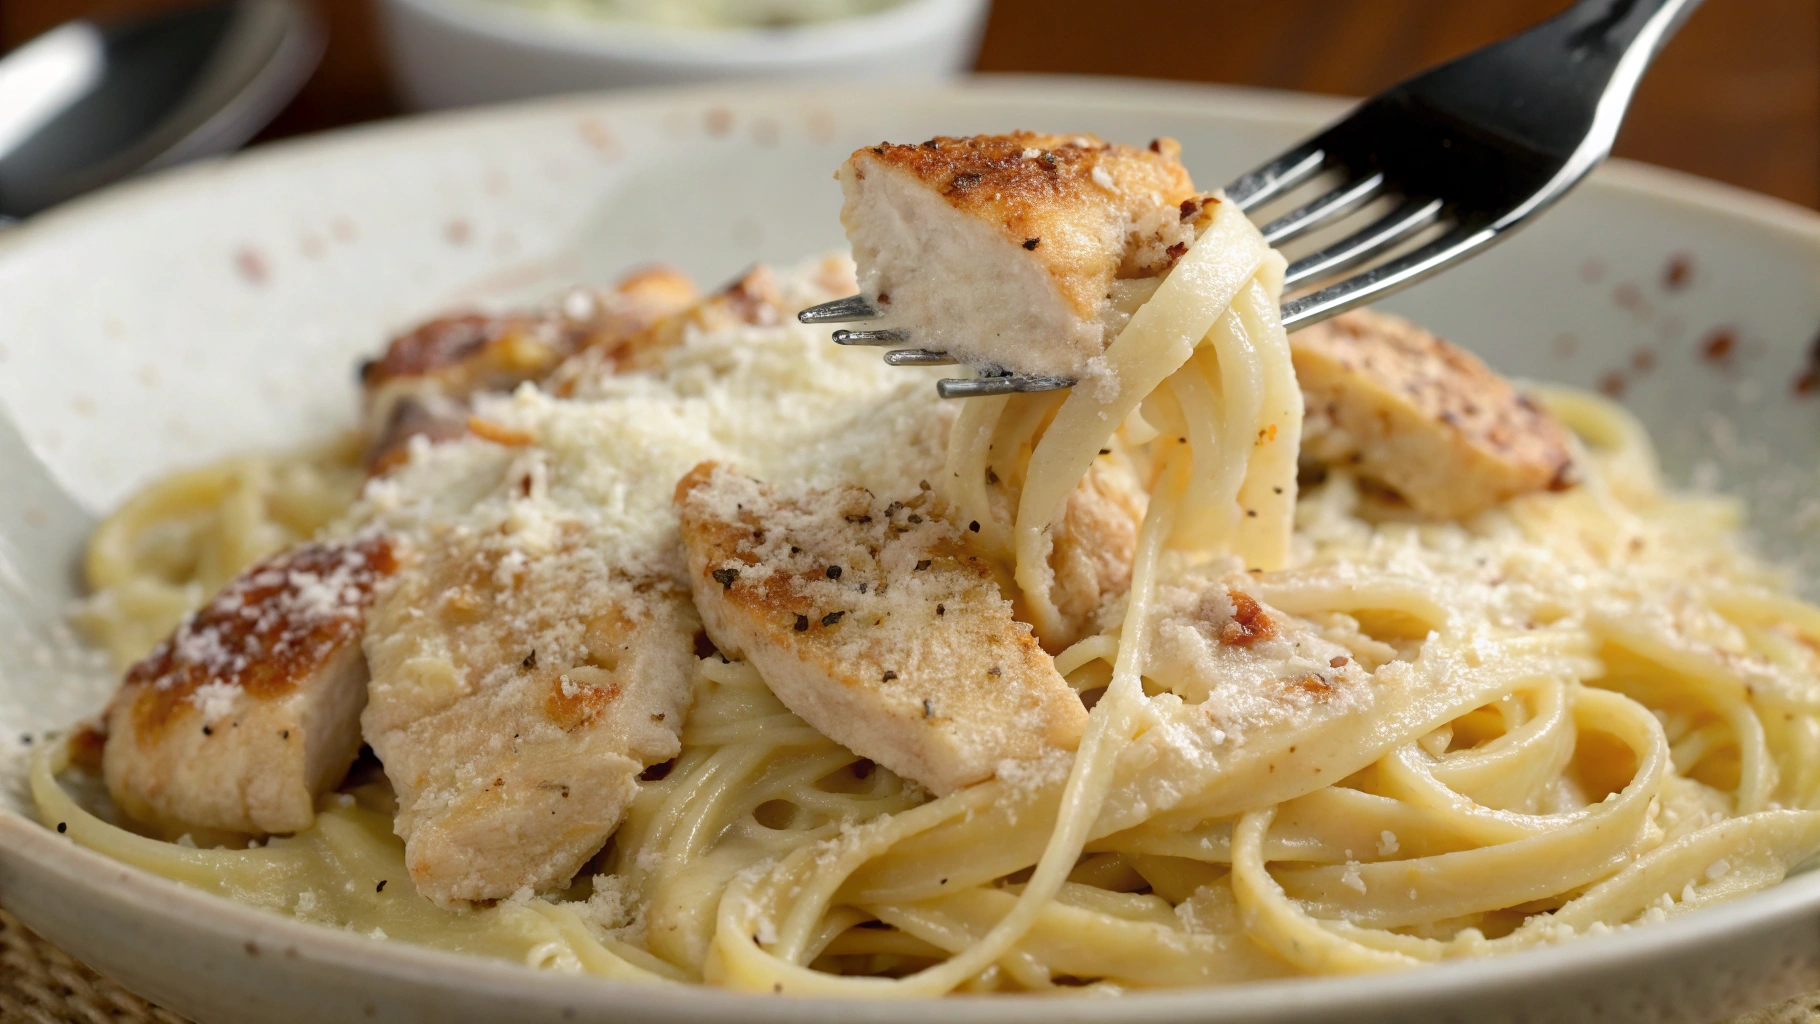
point(1025, 253)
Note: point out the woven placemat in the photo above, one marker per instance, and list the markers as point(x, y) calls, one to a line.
point(44, 985)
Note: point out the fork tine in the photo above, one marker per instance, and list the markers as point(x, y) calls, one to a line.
point(1313, 214)
point(919, 357)
point(870, 337)
point(1411, 216)
point(1000, 385)
point(1265, 183)
point(1379, 281)
point(840, 311)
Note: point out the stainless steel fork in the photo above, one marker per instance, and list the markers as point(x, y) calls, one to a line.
point(1462, 155)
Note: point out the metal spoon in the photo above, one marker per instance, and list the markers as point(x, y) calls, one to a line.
point(88, 104)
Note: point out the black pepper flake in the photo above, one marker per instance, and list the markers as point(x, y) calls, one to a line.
point(991, 476)
point(758, 536)
point(963, 182)
point(863, 585)
point(802, 623)
point(285, 735)
point(915, 518)
point(725, 577)
point(1105, 451)
point(834, 572)
point(921, 564)
point(974, 526)
point(208, 730)
point(380, 887)
point(888, 676)
point(1278, 490)
point(832, 618)
point(995, 671)
point(928, 708)
point(1032, 243)
point(941, 609)
point(795, 550)
point(64, 826)
point(858, 519)
point(25, 739)
point(530, 660)
point(1252, 512)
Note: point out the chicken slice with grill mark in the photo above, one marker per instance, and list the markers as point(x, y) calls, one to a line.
point(1421, 417)
point(251, 709)
point(516, 697)
point(875, 624)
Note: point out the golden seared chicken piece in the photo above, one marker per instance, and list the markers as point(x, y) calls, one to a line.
point(422, 384)
point(1026, 251)
point(753, 300)
point(518, 691)
point(1427, 420)
point(873, 623)
point(251, 709)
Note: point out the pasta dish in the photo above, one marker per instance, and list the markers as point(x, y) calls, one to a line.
point(652, 636)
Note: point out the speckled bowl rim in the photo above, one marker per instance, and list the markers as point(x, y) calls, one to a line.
point(1794, 903)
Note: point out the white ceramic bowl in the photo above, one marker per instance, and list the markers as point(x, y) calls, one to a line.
point(178, 319)
point(451, 53)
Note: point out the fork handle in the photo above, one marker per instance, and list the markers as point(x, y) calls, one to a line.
point(1584, 60)
point(1616, 24)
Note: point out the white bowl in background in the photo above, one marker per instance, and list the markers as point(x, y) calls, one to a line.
point(223, 307)
point(453, 53)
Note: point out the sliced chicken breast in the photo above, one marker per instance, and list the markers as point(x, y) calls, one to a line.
point(874, 624)
point(1016, 250)
point(422, 384)
point(517, 693)
point(1422, 418)
point(251, 709)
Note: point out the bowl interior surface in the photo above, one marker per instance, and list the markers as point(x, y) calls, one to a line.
point(224, 307)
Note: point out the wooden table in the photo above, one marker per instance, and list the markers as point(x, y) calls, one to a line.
point(1736, 96)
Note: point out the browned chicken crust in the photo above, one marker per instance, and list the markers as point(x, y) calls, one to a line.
point(423, 382)
point(875, 624)
point(250, 710)
point(1023, 250)
point(1422, 417)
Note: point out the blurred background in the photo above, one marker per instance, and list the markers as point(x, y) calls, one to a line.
point(1735, 96)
